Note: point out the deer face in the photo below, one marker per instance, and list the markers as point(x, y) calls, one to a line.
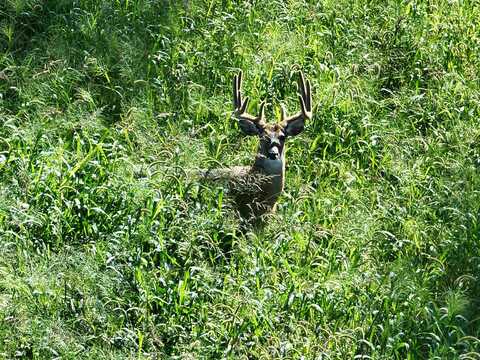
point(272, 136)
point(272, 141)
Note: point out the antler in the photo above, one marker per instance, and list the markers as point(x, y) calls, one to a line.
point(305, 97)
point(240, 106)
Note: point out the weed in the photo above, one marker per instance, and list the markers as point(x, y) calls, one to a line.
point(110, 248)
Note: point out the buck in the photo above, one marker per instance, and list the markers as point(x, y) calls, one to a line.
point(256, 188)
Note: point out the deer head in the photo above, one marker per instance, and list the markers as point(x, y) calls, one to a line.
point(270, 156)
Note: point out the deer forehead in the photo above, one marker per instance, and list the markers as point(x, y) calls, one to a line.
point(274, 130)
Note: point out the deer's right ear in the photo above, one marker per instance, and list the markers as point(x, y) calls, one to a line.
point(249, 127)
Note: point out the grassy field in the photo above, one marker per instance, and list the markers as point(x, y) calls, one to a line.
point(110, 248)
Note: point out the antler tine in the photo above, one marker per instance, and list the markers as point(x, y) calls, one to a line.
point(305, 99)
point(240, 105)
point(283, 113)
point(305, 89)
point(237, 79)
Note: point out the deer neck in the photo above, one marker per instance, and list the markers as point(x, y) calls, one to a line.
point(275, 170)
point(269, 167)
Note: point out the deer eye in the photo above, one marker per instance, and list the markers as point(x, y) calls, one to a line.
point(281, 137)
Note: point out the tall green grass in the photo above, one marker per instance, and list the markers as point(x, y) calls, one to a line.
point(110, 248)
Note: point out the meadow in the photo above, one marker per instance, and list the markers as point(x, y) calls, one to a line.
point(111, 248)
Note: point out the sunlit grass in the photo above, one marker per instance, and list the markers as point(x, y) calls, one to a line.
point(110, 247)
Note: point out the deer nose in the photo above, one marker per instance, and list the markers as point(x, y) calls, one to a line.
point(273, 153)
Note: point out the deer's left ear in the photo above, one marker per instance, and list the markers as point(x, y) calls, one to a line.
point(295, 124)
point(294, 127)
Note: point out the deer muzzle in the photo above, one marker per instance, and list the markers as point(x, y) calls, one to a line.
point(273, 153)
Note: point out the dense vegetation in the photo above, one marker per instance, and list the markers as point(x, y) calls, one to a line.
point(111, 248)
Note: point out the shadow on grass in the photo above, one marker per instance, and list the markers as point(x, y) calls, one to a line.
point(106, 45)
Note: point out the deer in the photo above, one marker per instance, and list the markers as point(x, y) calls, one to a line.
point(256, 188)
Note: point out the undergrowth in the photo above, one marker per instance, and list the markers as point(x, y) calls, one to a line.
point(111, 248)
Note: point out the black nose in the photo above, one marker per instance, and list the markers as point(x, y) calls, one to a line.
point(273, 153)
